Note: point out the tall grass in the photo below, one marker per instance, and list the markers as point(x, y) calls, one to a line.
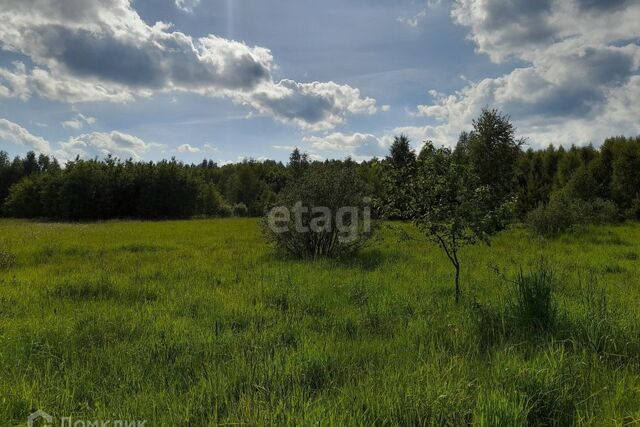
point(198, 323)
point(533, 305)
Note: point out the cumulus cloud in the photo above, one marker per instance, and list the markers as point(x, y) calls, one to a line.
point(101, 50)
point(16, 134)
point(23, 84)
point(579, 57)
point(101, 144)
point(314, 106)
point(359, 145)
point(78, 121)
point(188, 148)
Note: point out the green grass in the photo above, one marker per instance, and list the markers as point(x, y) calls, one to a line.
point(198, 323)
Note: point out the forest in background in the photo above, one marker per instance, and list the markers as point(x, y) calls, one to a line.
point(578, 184)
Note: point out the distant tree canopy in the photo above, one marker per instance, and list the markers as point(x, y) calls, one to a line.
point(111, 188)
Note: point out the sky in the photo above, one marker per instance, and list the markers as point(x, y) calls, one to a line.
point(233, 79)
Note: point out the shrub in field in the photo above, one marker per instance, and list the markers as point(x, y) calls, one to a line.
point(240, 209)
point(533, 307)
point(323, 213)
point(601, 211)
point(634, 211)
point(211, 203)
point(561, 214)
point(567, 211)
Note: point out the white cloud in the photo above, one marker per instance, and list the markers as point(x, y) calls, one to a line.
point(23, 84)
point(187, 5)
point(90, 145)
point(73, 42)
point(579, 57)
point(78, 121)
point(357, 144)
point(16, 134)
point(284, 147)
point(187, 148)
point(101, 144)
point(314, 106)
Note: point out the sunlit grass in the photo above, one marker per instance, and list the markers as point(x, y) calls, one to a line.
point(198, 323)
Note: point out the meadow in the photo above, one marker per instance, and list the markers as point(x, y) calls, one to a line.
point(189, 323)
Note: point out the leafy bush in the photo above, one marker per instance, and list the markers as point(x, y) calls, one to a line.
point(211, 203)
point(560, 215)
point(634, 211)
point(565, 212)
point(240, 209)
point(326, 214)
point(602, 211)
point(23, 200)
point(533, 307)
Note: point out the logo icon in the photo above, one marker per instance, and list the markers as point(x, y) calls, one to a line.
point(39, 415)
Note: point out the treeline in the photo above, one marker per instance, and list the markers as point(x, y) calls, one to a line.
point(608, 174)
point(553, 188)
point(37, 187)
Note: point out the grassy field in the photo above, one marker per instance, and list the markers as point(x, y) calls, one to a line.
point(198, 323)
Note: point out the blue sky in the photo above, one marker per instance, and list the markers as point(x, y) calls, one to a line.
point(227, 79)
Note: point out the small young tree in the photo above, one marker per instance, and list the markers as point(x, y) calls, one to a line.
point(450, 205)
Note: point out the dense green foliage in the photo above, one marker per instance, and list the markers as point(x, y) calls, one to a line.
point(324, 212)
point(610, 173)
point(399, 169)
point(193, 323)
point(492, 151)
point(95, 189)
point(12, 172)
